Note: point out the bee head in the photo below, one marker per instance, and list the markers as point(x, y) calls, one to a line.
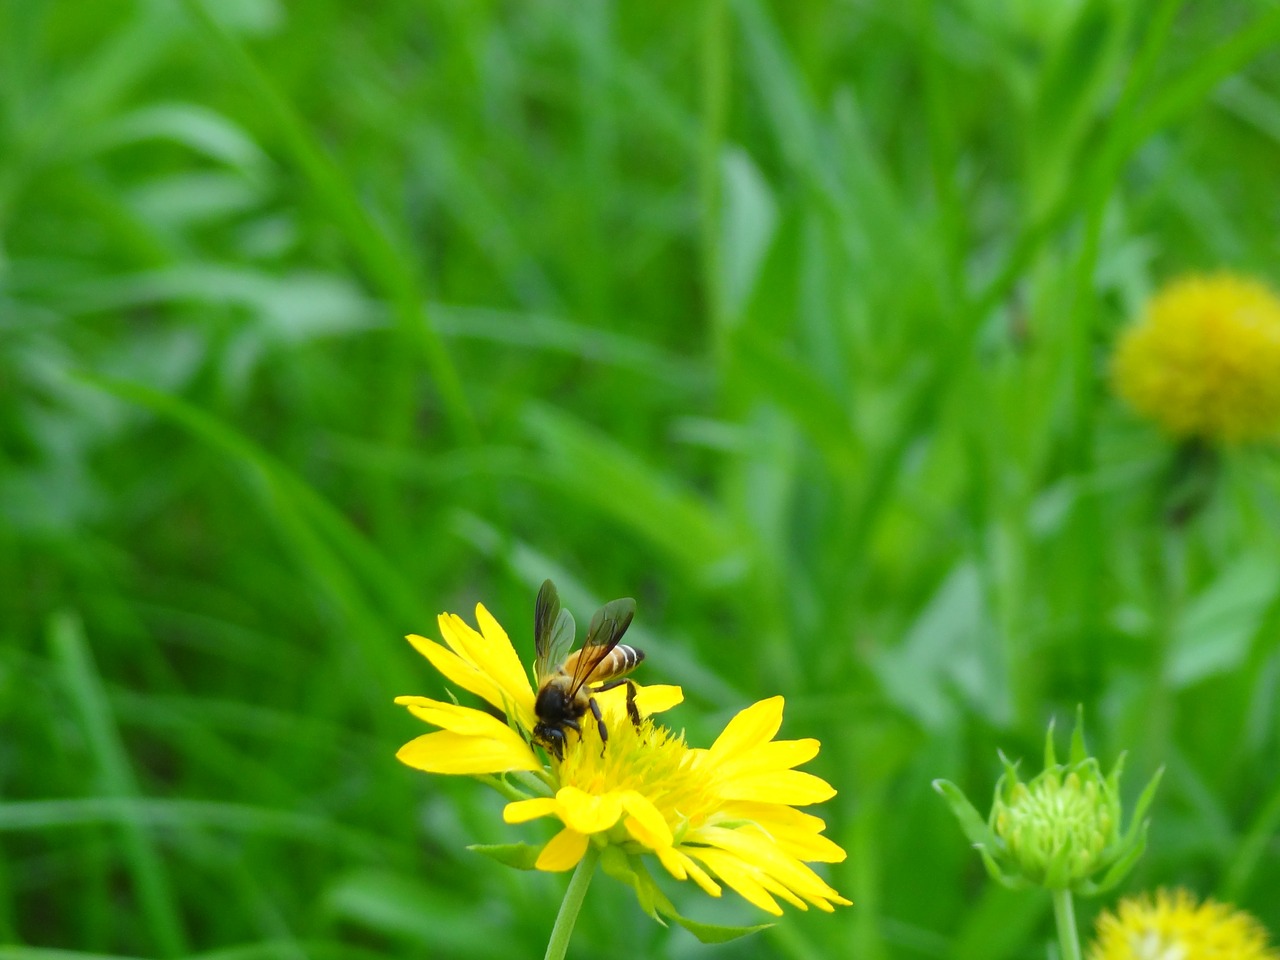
point(551, 737)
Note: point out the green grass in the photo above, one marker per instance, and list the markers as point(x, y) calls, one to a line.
point(789, 320)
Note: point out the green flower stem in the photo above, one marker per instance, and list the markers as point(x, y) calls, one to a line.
point(508, 790)
point(1064, 912)
point(573, 898)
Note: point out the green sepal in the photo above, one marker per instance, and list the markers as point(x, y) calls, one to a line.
point(714, 933)
point(1050, 754)
point(1079, 752)
point(522, 856)
point(1119, 870)
point(971, 822)
point(1010, 881)
point(1113, 778)
point(1140, 808)
point(1010, 768)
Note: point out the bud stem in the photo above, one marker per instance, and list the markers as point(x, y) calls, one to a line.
point(1064, 912)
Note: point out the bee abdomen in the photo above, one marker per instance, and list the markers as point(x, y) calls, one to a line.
point(629, 656)
point(622, 659)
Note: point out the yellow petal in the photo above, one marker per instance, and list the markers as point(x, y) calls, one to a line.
point(796, 833)
point(448, 752)
point(814, 848)
point(563, 851)
point(778, 890)
point(674, 861)
point(408, 701)
point(500, 657)
point(682, 868)
point(702, 878)
point(649, 700)
point(738, 877)
point(586, 812)
point(645, 823)
point(751, 727)
point(793, 787)
point(492, 658)
point(752, 847)
point(767, 757)
point(771, 815)
point(522, 811)
point(658, 698)
point(459, 671)
point(451, 716)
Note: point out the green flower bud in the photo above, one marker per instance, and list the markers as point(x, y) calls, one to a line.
point(1061, 829)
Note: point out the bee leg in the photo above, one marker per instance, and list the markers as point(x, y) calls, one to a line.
point(604, 731)
point(632, 711)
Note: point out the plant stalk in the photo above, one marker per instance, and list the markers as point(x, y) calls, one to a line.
point(573, 897)
point(1064, 912)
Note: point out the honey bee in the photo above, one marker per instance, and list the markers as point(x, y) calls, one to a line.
point(568, 682)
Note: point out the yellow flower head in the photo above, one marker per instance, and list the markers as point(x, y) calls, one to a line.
point(1203, 361)
point(723, 815)
point(1173, 927)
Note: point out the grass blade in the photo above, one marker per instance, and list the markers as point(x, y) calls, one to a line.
point(381, 258)
point(151, 878)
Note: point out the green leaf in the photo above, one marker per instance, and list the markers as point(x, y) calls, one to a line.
point(749, 219)
point(194, 126)
point(996, 923)
point(813, 406)
point(631, 870)
point(593, 469)
point(946, 657)
point(522, 856)
point(390, 904)
point(714, 933)
point(1215, 634)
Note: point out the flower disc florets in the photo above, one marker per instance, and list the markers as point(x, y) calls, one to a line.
point(1172, 926)
point(1203, 360)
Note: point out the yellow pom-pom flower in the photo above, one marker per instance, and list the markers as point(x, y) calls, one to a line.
point(1203, 361)
point(723, 815)
point(1173, 925)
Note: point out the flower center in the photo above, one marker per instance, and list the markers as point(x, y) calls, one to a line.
point(651, 760)
point(1149, 945)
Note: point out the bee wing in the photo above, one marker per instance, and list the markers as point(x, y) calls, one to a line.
point(553, 630)
point(608, 625)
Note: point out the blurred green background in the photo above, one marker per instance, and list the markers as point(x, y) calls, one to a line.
point(788, 319)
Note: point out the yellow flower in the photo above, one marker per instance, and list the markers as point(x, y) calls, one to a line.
point(723, 815)
point(1203, 361)
point(472, 741)
point(1173, 927)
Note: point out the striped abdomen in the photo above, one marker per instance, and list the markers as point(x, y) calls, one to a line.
point(618, 662)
